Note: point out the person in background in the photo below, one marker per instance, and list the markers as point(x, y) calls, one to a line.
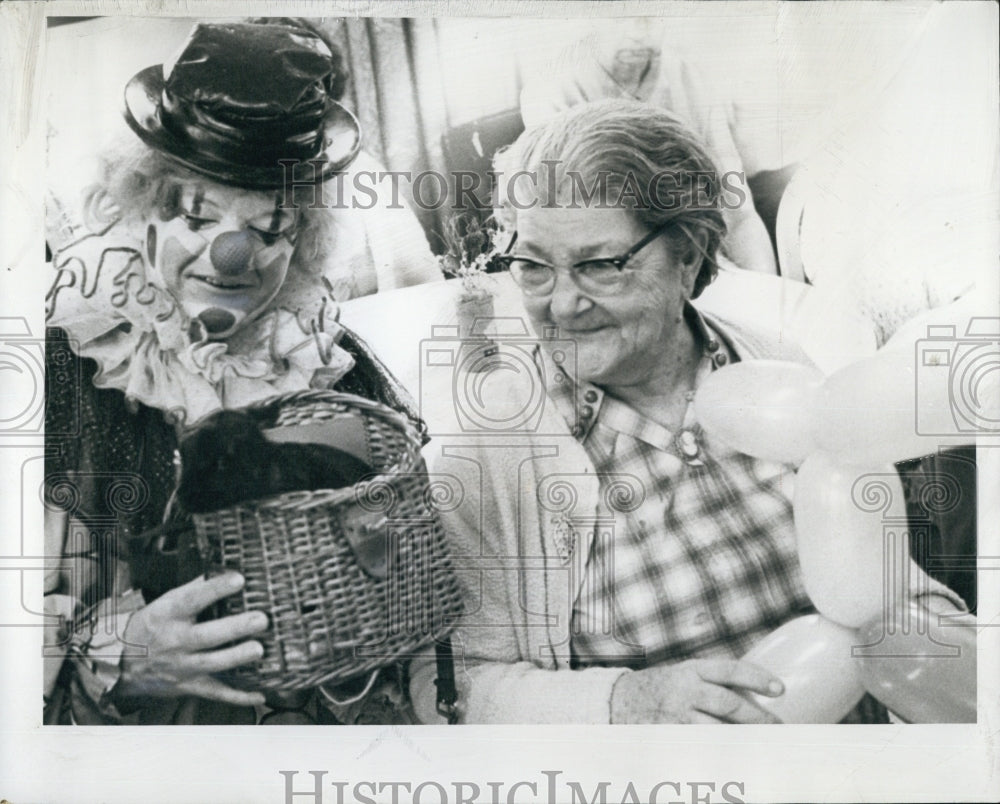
point(642, 64)
point(209, 285)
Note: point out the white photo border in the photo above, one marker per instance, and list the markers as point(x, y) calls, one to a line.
point(220, 764)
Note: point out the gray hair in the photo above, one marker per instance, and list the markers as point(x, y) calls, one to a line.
point(631, 147)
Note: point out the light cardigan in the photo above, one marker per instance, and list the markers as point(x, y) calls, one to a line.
point(512, 646)
point(511, 553)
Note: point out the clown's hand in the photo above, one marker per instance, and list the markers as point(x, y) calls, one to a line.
point(182, 654)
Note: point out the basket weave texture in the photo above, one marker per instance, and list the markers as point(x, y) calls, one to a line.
point(331, 617)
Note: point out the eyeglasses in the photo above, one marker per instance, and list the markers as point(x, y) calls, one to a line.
point(599, 277)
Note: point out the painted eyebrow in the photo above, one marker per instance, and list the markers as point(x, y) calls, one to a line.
point(199, 198)
point(282, 212)
point(276, 217)
point(198, 204)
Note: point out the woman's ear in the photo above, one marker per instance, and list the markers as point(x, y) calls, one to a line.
point(692, 257)
point(99, 208)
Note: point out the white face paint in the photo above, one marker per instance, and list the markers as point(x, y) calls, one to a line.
point(222, 252)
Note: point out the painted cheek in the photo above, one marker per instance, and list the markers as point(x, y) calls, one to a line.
point(174, 258)
point(193, 241)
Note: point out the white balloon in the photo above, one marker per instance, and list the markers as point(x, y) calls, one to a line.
point(851, 529)
point(812, 657)
point(763, 408)
point(894, 406)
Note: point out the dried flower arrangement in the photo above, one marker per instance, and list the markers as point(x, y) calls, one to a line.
point(470, 240)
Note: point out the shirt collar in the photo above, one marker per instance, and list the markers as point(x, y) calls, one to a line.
point(580, 402)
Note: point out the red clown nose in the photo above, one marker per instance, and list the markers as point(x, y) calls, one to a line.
point(232, 252)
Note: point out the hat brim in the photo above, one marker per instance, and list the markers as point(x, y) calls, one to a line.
point(142, 113)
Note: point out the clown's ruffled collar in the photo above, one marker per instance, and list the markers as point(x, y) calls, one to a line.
point(148, 348)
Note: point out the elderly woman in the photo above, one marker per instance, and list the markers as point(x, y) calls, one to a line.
point(201, 291)
point(617, 562)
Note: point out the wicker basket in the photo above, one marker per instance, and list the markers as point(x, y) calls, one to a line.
point(352, 579)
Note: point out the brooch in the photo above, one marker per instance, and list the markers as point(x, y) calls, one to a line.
point(564, 536)
point(690, 449)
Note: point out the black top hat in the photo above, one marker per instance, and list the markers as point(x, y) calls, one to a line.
point(239, 98)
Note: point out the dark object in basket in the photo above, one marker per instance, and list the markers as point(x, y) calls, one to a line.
point(166, 557)
point(227, 459)
point(352, 579)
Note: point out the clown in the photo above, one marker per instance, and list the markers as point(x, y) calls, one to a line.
point(200, 287)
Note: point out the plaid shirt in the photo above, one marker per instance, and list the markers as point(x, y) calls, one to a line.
point(708, 564)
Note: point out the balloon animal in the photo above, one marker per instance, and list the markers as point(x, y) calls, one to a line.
point(844, 432)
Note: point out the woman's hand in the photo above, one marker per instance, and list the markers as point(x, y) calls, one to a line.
point(695, 691)
point(181, 654)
